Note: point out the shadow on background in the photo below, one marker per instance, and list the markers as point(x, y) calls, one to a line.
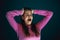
point(51, 30)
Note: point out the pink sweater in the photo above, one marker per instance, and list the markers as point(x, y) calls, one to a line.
point(18, 27)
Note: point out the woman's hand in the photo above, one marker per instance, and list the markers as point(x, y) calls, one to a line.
point(32, 11)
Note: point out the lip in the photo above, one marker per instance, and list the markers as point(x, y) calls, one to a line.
point(29, 19)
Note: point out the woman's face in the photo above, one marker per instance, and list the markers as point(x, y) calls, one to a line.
point(28, 17)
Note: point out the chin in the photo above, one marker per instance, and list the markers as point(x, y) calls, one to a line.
point(28, 24)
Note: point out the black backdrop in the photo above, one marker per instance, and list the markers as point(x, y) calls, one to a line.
point(50, 32)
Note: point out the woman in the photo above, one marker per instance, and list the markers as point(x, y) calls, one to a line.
point(27, 30)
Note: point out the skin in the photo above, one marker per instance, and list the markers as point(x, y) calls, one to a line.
point(27, 17)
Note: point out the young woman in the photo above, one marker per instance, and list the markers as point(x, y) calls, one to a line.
point(27, 30)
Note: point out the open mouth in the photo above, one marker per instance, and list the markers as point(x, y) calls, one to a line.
point(29, 19)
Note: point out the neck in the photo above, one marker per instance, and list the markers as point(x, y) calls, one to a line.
point(29, 26)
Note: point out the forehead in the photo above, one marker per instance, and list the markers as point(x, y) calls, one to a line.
point(28, 12)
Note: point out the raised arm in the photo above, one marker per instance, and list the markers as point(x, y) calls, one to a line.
point(10, 17)
point(47, 16)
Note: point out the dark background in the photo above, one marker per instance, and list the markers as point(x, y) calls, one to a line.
point(51, 30)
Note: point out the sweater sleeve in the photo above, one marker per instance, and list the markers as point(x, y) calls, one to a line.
point(47, 16)
point(10, 17)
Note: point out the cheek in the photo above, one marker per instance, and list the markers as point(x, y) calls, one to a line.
point(26, 18)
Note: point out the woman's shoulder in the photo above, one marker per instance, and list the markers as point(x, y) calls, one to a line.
point(20, 30)
point(20, 26)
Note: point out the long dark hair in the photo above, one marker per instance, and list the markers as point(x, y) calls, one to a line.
point(25, 28)
point(33, 28)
